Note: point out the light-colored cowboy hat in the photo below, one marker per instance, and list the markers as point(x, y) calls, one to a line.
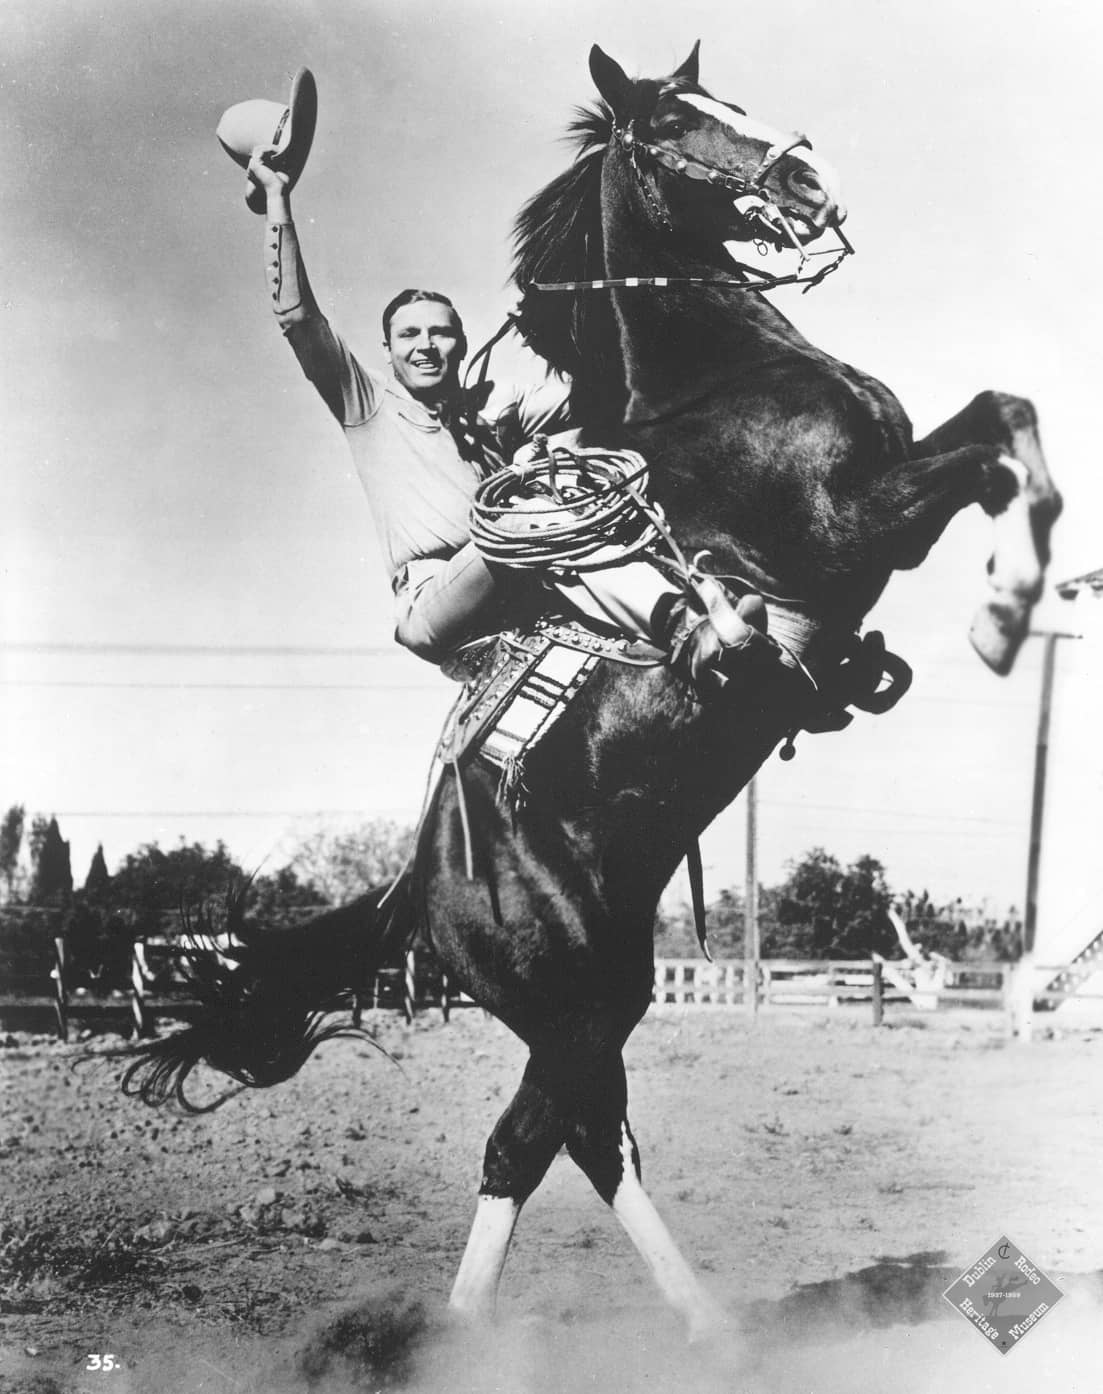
point(290, 128)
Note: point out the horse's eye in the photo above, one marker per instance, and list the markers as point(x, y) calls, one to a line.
point(671, 130)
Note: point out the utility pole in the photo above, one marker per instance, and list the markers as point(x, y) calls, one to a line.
point(751, 944)
point(1038, 802)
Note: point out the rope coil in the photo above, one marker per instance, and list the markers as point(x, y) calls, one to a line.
point(566, 508)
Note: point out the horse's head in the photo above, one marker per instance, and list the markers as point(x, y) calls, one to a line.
point(708, 169)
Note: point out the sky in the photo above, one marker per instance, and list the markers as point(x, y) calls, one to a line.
point(195, 624)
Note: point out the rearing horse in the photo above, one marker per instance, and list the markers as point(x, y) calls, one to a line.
point(799, 475)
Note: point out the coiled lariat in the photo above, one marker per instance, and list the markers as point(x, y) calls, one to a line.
point(571, 508)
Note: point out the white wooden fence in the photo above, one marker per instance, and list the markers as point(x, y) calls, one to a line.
point(830, 983)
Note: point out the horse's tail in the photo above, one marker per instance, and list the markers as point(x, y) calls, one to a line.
point(264, 1005)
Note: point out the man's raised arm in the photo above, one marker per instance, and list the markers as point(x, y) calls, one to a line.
point(323, 355)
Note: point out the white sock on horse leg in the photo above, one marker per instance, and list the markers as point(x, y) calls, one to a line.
point(475, 1291)
point(676, 1280)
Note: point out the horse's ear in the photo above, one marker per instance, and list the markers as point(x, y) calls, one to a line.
point(611, 81)
point(690, 69)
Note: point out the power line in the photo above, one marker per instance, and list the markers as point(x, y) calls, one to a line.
point(235, 813)
point(801, 805)
point(207, 650)
point(158, 649)
point(431, 686)
point(428, 686)
point(885, 815)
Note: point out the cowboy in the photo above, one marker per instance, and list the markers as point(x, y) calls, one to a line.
point(420, 444)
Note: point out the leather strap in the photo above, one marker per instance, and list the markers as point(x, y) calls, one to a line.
point(696, 873)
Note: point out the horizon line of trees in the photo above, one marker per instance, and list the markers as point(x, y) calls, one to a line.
point(822, 909)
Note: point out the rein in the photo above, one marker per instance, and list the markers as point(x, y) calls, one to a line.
point(765, 280)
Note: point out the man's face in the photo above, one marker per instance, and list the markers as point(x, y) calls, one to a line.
point(425, 349)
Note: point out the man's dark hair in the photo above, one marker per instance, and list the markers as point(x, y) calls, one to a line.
point(410, 297)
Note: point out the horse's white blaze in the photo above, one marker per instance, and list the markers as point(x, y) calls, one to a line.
point(676, 1280)
point(750, 129)
point(475, 1290)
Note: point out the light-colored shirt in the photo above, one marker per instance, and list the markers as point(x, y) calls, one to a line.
point(419, 469)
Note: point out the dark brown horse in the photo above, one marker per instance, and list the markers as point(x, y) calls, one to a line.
point(799, 475)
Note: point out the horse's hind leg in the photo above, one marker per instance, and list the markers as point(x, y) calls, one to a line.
point(577, 1096)
point(600, 1140)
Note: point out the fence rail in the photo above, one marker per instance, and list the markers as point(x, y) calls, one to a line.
point(417, 983)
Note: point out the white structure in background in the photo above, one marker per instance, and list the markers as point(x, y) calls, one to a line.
point(1070, 918)
point(922, 975)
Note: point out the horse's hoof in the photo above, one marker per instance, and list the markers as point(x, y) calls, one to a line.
point(709, 1326)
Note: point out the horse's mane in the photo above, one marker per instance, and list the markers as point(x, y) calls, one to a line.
point(557, 237)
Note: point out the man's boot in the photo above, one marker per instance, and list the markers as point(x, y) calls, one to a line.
point(721, 650)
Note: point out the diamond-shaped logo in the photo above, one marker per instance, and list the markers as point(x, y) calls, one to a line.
point(1004, 1296)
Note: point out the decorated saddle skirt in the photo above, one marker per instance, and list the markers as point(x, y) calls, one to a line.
point(518, 685)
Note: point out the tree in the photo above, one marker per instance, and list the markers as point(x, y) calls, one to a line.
point(342, 866)
point(97, 881)
point(863, 912)
point(825, 912)
point(11, 841)
point(51, 872)
point(283, 897)
point(152, 885)
point(676, 933)
point(805, 911)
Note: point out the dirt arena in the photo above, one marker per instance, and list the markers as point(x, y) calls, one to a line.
point(829, 1181)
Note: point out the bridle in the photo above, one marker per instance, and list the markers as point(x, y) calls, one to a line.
point(751, 203)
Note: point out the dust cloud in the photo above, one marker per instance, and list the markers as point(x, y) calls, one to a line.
point(866, 1333)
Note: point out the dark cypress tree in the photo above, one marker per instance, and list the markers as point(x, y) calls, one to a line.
point(11, 840)
point(52, 876)
point(98, 879)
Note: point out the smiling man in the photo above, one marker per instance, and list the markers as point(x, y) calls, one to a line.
point(424, 343)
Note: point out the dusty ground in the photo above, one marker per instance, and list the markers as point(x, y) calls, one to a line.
point(828, 1179)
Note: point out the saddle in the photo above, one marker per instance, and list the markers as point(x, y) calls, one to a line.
point(516, 686)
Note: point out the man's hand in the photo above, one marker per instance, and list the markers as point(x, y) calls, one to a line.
point(274, 182)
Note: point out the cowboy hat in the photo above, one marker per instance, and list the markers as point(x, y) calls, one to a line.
point(289, 128)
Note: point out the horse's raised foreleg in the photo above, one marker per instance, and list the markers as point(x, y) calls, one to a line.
point(1023, 521)
point(918, 499)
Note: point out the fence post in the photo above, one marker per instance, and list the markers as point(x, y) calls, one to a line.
point(61, 996)
point(138, 991)
point(409, 988)
point(1018, 997)
point(878, 993)
point(357, 1010)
